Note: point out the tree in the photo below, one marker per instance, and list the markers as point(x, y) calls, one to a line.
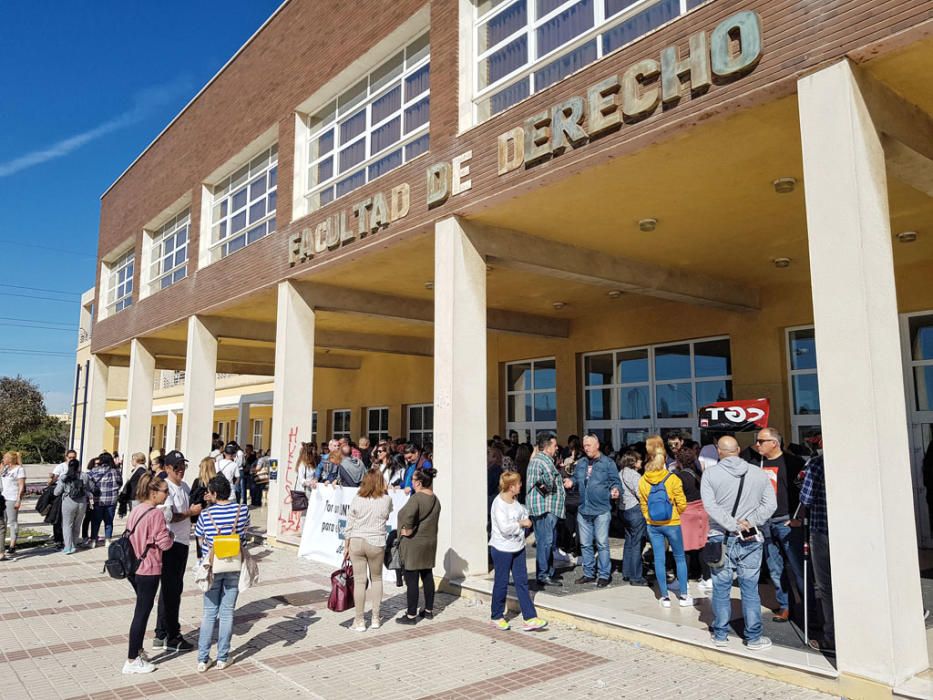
point(44, 444)
point(22, 408)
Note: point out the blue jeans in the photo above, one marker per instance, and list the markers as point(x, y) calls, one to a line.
point(658, 534)
point(779, 548)
point(743, 558)
point(635, 526)
point(588, 528)
point(219, 602)
point(513, 563)
point(544, 526)
point(103, 514)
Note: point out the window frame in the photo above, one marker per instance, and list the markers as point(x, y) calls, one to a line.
point(121, 263)
point(171, 226)
point(314, 427)
point(258, 426)
point(383, 431)
point(334, 433)
point(799, 421)
point(421, 432)
point(533, 426)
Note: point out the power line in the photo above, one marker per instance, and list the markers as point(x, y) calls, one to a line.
point(45, 247)
point(41, 289)
point(32, 320)
point(45, 328)
point(33, 296)
point(24, 351)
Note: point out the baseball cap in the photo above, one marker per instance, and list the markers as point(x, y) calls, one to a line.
point(174, 459)
point(230, 448)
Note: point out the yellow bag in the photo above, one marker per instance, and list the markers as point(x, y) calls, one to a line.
point(226, 546)
point(225, 550)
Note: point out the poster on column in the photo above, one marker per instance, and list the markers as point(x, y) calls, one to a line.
point(322, 537)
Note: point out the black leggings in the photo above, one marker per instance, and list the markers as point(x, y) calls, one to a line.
point(695, 561)
point(146, 587)
point(427, 581)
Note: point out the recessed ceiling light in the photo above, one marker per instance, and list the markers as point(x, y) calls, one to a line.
point(648, 225)
point(558, 305)
point(429, 285)
point(907, 236)
point(784, 185)
point(614, 293)
point(489, 268)
point(781, 262)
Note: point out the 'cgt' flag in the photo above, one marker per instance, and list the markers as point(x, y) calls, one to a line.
point(735, 416)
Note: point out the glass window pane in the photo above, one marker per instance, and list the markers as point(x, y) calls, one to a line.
point(674, 400)
point(416, 147)
point(386, 105)
point(384, 165)
point(597, 369)
point(509, 96)
point(920, 329)
point(414, 419)
point(257, 211)
point(634, 403)
point(356, 180)
point(640, 24)
point(325, 170)
point(598, 402)
point(565, 27)
point(353, 127)
point(500, 63)
point(632, 435)
point(802, 349)
point(546, 406)
point(239, 199)
point(633, 366)
point(519, 377)
point(385, 135)
point(923, 378)
point(545, 375)
point(672, 362)
point(418, 82)
point(519, 408)
point(711, 392)
point(324, 116)
point(374, 420)
point(325, 143)
point(712, 359)
point(257, 188)
point(560, 68)
point(352, 97)
point(239, 221)
point(503, 25)
point(385, 73)
point(614, 7)
point(418, 49)
point(545, 6)
point(806, 394)
point(352, 155)
point(429, 417)
point(417, 115)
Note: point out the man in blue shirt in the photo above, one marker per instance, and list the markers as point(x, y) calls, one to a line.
point(596, 478)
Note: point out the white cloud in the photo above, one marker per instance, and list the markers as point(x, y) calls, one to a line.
point(144, 103)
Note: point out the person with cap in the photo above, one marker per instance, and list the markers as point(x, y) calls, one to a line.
point(228, 465)
point(105, 480)
point(178, 513)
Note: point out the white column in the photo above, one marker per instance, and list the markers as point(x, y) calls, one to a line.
point(291, 402)
point(98, 374)
point(878, 610)
point(138, 432)
point(198, 402)
point(460, 400)
point(243, 436)
point(171, 430)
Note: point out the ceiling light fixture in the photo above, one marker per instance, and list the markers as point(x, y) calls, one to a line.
point(558, 305)
point(781, 263)
point(648, 225)
point(907, 236)
point(614, 293)
point(784, 185)
point(429, 285)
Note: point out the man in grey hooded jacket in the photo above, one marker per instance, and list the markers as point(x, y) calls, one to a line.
point(752, 506)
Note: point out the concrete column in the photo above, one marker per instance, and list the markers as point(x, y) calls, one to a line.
point(198, 402)
point(95, 425)
point(291, 403)
point(138, 433)
point(171, 430)
point(243, 435)
point(460, 400)
point(878, 610)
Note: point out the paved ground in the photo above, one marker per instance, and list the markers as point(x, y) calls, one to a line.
point(63, 627)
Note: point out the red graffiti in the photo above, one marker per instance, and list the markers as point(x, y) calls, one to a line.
point(292, 522)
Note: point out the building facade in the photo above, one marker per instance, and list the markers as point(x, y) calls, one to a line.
point(548, 215)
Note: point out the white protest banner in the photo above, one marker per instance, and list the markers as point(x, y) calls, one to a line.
point(322, 538)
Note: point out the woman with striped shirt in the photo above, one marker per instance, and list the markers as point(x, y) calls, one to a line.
point(222, 518)
point(365, 534)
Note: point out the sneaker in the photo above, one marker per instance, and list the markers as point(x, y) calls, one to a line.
point(637, 582)
point(158, 643)
point(375, 624)
point(405, 620)
point(705, 584)
point(426, 614)
point(759, 644)
point(137, 665)
point(107, 542)
point(204, 665)
point(221, 665)
point(665, 602)
point(70, 550)
point(179, 644)
point(584, 579)
point(719, 642)
point(94, 544)
point(358, 628)
point(686, 601)
point(602, 583)
point(501, 624)
point(782, 615)
point(535, 623)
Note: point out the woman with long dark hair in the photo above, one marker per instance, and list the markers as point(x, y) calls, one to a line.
point(73, 488)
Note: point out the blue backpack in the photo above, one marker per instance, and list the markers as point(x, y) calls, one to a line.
point(660, 508)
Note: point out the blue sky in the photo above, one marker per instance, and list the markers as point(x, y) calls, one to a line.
point(87, 85)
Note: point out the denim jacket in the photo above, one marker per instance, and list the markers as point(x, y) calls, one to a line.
point(594, 492)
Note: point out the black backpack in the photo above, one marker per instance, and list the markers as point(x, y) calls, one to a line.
point(122, 561)
point(78, 490)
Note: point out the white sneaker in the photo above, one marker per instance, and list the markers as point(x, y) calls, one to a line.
point(686, 601)
point(107, 542)
point(375, 624)
point(759, 644)
point(137, 665)
point(204, 665)
point(221, 665)
point(665, 602)
point(358, 628)
point(705, 584)
point(721, 643)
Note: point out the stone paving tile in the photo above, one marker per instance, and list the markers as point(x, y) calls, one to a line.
point(287, 644)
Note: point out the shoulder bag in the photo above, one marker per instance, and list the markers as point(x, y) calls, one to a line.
point(225, 549)
point(299, 497)
point(714, 554)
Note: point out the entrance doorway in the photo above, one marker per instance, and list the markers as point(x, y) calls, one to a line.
point(917, 344)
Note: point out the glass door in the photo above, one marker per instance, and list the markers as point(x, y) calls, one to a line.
point(917, 339)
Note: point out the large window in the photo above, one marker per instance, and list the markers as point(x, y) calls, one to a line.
point(120, 283)
point(314, 427)
point(524, 46)
point(633, 393)
point(377, 424)
point(169, 252)
point(257, 434)
point(374, 126)
point(804, 386)
point(341, 424)
point(531, 398)
point(421, 423)
point(244, 205)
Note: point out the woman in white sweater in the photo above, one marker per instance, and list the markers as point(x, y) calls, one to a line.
point(507, 544)
point(365, 535)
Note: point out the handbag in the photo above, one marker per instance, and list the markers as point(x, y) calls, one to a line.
point(262, 474)
point(299, 497)
point(225, 549)
point(713, 553)
point(393, 555)
point(341, 588)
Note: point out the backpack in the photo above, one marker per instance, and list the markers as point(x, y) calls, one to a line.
point(660, 507)
point(122, 561)
point(78, 490)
